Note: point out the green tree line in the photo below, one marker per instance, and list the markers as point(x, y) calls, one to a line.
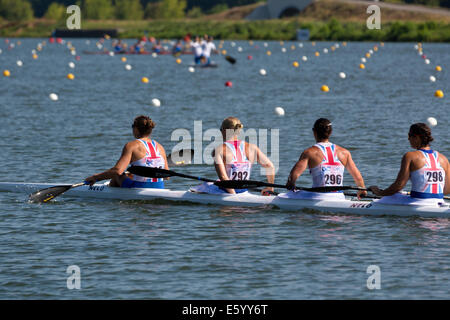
point(118, 9)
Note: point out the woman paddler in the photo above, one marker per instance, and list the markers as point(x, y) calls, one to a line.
point(326, 162)
point(143, 151)
point(234, 158)
point(428, 170)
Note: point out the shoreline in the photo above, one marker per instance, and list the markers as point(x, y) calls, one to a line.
point(332, 30)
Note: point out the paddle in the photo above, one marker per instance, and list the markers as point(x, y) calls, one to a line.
point(47, 194)
point(162, 173)
point(230, 59)
point(230, 184)
point(249, 184)
point(185, 157)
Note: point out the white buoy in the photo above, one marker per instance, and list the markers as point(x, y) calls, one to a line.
point(154, 55)
point(279, 111)
point(111, 53)
point(239, 49)
point(283, 50)
point(262, 72)
point(336, 45)
point(99, 46)
point(1, 51)
point(191, 69)
point(342, 75)
point(19, 63)
point(432, 78)
point(304, 58)
point(432, 122)
point(325, 50)
point(416, 46)
point(53, 96)
point(233, 44)
point(33, 51)
point(363, 60)
point(73, 52)
point(427, 61)
point(71, 65)
point(300, 45)
point(88, 42)
point(156, 102)
point(128, 67)
point(265, 44)
point(371, 51)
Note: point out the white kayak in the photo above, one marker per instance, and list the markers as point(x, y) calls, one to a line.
point(347, 206)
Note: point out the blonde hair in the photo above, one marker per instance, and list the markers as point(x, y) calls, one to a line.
point(231, 123)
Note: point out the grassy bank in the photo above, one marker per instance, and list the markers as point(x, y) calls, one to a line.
point(257, 30)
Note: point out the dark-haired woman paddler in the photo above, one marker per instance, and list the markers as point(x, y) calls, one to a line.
point(428, 170)
point(143, 151)
point(326, 162)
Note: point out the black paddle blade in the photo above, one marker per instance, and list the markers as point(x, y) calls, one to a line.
point(180, 158)
point(48, 194)
point(149, 172)
point(230, 59)
point(239, 184)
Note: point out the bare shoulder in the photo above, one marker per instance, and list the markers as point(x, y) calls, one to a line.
point(310, 153)
point(443, 157)
point(342, 150)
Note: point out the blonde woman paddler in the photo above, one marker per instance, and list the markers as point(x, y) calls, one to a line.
point(234, 158)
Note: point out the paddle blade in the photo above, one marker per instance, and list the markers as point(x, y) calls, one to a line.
point(180, 158)
point(239, 184)
point(48, 194)
point(230, 59)
point(149, 172)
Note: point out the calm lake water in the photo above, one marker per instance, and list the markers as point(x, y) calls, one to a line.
point(145, 250)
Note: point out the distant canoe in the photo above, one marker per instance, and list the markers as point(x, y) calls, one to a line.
point(132, 52)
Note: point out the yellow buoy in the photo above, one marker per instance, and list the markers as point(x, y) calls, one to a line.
point(333, 48)
point(367, 55)
point(6, 73)
point(250, 42)
point(438, 68)
point(382, 44)
point(325, 88)
point(292, 47)
point(317, 53)
point(313, 43)
point(70, 76)
point(439, 94)
point(144, 80)
point(281, 43)
point(178, 61)
point(375, 48)
point(362, 66)
point(295, 64)
point(35, 56)
point(124, 59)
point(224, 52)
point(344, 43)
point(269, 53)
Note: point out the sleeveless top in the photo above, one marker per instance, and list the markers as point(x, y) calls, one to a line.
point(240, 167)
point(152, 159)
point(428, 181)
point(330, 172)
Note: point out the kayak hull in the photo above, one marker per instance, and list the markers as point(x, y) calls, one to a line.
point(103, 191)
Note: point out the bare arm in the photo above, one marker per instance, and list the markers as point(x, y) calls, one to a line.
point(265, 162)
point(163, 154)
point(117, 170)
point(219, 165)
point(447, 175)
point(297, 170)
point(354, 172)
point(400, 182)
